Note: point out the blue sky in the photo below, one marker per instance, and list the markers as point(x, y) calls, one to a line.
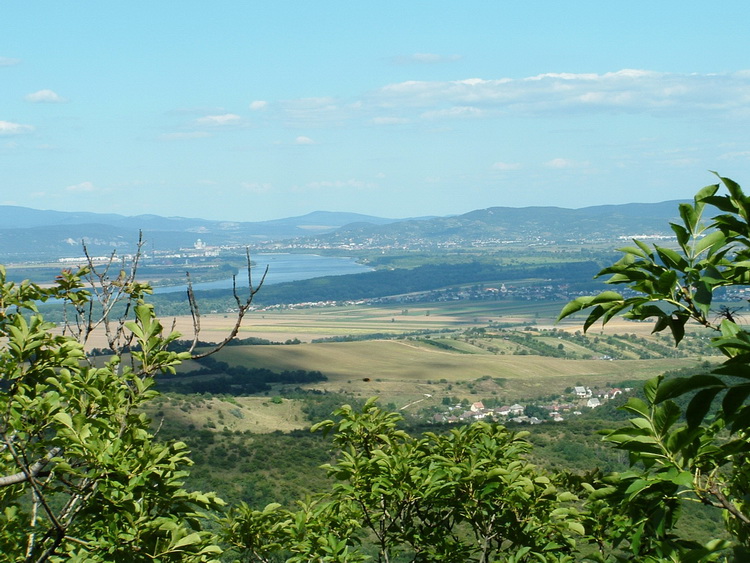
point(244, 110)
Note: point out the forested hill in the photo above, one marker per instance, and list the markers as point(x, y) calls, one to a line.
point(29, 234)
point(526, 224)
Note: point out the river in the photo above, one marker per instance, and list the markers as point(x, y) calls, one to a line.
point(282, 268)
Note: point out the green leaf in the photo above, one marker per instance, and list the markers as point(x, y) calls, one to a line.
point(135, 329)
point(588, 301)
point(604, 312)
point(705, 193)
point(671, 258)
point(650, 387)
point(637, 406)
point(63, 418)
point(640, 252)
point(689, 216)
point(190, 539)
point(638, 486)
point(677, 386)
point(666, 282)
point(741, 420)
point(683, 478)
point(576, 527)
point(665, 415)
point(699, 406)
point(644, 247)
point(703, 296)
point(714, 238)
point(735, 398)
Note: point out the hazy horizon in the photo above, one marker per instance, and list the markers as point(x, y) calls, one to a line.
point(324, 211)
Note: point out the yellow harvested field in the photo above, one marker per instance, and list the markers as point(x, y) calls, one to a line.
point(309, 324)
point(280, 325)
point(402, 372)
point(402, 360)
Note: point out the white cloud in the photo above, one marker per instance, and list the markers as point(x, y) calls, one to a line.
point(627, 91)
point(454, 112)
point(739, 155)
point(302, 140)
point(45, 96)
point(82, 187)
point(390, 120)
point(184, 135)
point(338, 185)
point(506, 166)
point(683, 162)
point(7, 61)
point(258, 105)
point(621, 91)
point(10, 128)
point(257, 187)
point(219, 120)
point(312, 112)
point(562, 163)
point(424, 58)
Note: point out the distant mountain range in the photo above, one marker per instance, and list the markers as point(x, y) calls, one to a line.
point(519, 225)
point(29, 234)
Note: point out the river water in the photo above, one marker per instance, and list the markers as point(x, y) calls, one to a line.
point(282, 268)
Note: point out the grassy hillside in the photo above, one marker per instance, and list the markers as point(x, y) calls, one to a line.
point(402, 371)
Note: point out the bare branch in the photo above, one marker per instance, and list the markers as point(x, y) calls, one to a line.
point(194, 312)
point(242, 309)
point(728, 505)
point(108, 294)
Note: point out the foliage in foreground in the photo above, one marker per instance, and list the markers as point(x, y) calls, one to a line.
point(468, 495)
point(81, 476)
point(705, 458)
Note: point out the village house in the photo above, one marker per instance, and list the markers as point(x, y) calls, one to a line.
point(477, 407)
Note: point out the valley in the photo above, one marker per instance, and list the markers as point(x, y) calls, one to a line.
point(444, 335)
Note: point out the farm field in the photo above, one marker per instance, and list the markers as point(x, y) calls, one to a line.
point(406, 370)
point(335, 321)
point(402, 371)
point(315, 323)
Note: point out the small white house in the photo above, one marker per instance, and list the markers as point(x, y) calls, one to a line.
point(477, 407)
